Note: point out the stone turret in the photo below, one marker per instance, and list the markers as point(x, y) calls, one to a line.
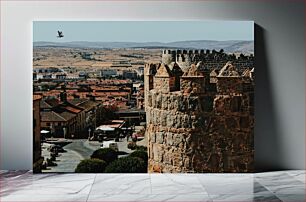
point(213, 75)
point(149, 73)
point(229, 70)
point(164, 80)
point(199, 128)
point(229, 80)
point(192, 81)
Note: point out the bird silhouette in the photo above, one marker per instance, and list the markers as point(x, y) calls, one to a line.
point(60, 34)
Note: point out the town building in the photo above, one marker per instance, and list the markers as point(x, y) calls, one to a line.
point(108, 73)
point(37, 158)
point(62, 118)
point(129, 74)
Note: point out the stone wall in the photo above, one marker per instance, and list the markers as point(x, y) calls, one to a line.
point(212, 59)
point(203, 127)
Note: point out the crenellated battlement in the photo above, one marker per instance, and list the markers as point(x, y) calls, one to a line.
point(197, 78)
point(211, 58)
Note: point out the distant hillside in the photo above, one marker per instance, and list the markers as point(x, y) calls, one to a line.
point(228, 46)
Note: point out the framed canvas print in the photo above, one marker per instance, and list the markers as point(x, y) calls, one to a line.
point(143, 96)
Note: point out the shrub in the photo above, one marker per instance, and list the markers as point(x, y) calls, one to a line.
point(140, 154)
point(53, 158)
point(141, 148)
point(134, 139)
point(106, 154)
point(50, 162)
point(91, 166)
point(131, 145)
point(127, 165)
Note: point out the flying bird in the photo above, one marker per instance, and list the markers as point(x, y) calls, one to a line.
point(60, 34)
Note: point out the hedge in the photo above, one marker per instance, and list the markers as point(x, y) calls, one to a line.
point(91, 166)
point(106, 154)
point(127, 165)
point(140, 154)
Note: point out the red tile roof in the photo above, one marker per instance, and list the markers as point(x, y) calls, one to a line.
point(73, 109)
point(44, 105)
point(37, 97)
point(51, 116)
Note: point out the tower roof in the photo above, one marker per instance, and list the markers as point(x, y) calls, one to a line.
point(229, 70)
point(163, 71)
point(193, 71)
point(246, 73)
point(214, 72)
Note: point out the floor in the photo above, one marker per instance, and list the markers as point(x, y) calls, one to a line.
point(268, 186)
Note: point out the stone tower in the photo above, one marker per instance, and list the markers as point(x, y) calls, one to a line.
point(201, 126)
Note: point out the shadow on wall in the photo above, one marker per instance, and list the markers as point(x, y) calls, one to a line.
point(268, 153)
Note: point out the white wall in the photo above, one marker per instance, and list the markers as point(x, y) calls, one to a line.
point(280, 62)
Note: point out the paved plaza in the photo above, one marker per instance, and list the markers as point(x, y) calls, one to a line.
point(77, 151)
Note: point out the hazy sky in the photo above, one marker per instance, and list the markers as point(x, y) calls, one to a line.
point(142, 31)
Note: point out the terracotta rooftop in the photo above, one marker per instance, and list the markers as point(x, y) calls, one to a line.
point(52, 102)
point(51, 116)
point(104, 94)
point(104, 88)
point(77, 101)
point(88, 105)
point(67, 115)
point(37, 97)
point(44, 105)
point(73, 109)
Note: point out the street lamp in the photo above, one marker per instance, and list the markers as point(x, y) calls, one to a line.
point(89, 130)
point(51, 130)
point(65, 131)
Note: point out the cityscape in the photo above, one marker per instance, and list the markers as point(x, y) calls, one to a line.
point(127, 107)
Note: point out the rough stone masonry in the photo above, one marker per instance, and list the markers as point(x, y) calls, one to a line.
point(200, 119)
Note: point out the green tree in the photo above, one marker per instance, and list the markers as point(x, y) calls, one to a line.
point(106, 154)
point(91, 166)
point(140, 154)
point(127, 165)
point(141, 148)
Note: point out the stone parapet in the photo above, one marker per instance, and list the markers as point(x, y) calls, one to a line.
point(202, 126)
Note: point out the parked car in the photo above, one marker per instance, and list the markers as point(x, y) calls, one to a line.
point(137, 136)
point(110, 144)
point(56, 148)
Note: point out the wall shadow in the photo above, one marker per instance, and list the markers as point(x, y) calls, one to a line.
point(268, 154)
